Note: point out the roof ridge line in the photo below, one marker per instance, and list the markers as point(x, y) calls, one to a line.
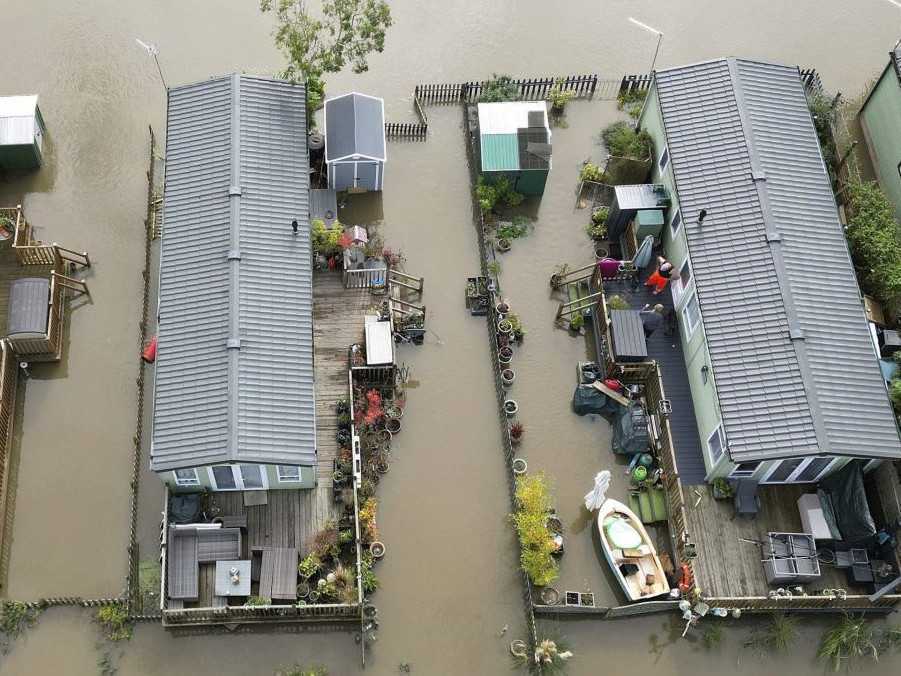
point(234, 261)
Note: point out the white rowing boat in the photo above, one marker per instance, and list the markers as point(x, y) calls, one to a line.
point(630, 552)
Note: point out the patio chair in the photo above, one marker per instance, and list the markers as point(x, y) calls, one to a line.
point(747, 502)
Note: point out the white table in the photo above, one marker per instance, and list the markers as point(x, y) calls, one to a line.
point(224, 586)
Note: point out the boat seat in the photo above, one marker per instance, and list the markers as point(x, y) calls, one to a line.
point(637, 552)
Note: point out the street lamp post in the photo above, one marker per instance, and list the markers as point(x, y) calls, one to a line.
point(656, 32)
point(154, 52)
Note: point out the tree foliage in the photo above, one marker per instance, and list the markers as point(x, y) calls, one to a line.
point(499, 88)
point(875, 240)
point(347, 32)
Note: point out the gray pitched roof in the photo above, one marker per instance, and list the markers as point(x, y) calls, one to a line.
point(234, 371)
point(354, 125)
point(795, 370)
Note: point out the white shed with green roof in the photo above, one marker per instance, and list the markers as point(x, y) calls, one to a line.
point(515, 142)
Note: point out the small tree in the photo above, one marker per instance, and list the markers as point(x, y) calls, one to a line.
point(499, 88)
point(347, 32)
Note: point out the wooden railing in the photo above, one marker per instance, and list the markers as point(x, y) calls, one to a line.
point(30, 251)
point(332, 612)
point(849, 603)
point(366, 278)
point(410, 282)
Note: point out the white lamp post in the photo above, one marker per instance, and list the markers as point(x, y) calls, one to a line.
point(656, 32)
point(154, 52)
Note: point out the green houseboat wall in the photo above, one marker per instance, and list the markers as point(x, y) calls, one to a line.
point(694, 349)
point(307, 480)
point(20, 156)
point(880, 119)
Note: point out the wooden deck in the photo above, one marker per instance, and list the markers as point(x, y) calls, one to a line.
point(728, 566)
point(337, 323)
point(11, 270)
point(290, 519)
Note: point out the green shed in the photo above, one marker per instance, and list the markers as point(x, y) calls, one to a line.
point(21, 133)
point(515, 142)
point(879, 119)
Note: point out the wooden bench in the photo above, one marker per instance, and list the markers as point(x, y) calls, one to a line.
point(278, 573)
point(188, 548)
point(232, 521)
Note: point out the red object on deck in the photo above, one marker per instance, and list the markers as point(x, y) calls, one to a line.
point(614, 385)
point(687, 581)
point(149, 353)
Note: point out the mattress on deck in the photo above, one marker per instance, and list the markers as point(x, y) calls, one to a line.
point(29, 306)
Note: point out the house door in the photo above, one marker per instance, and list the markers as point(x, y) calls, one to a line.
point(366, 176)
point(238, 477)
point(799, 470)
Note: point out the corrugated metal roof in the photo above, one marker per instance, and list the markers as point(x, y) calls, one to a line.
point(500, 152)
point(794, 368)
point(234, 372)
point(354, 125)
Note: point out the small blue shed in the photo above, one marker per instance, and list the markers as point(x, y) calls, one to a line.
point(355, 142)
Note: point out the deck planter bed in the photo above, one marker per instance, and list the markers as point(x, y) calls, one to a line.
point(586, 599)
point(572, 598)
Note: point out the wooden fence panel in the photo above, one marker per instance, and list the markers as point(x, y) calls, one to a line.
point(533, 88)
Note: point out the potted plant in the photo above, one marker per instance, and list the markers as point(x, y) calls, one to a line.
point(518, 331)
point(722, 489)
point(503, 244)
point(505, 354)
point(394, 412)
point(510, 408)
point(377, 549)
point(502, 308)
point(576, 322)
point(507, 377)
point(505, 327)
point(550, 596)
point(338, 477)
point(392, 425)
point(516, 432)
point(520, 466)
point(303, 589)
point(558, 97)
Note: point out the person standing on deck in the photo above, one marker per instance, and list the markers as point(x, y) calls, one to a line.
point(661, 276)
point(651, 319)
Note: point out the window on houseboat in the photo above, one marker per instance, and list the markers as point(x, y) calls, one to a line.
point(664, 159)
point(186, 477)
point(224, 477)
point(814, 469)
point(716, 444)
point(744, 469)
point(691, 315)
point(288, 473)
point(251, 476)
point(676, 222)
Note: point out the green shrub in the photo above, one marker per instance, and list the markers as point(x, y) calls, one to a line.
point(114, 621)
point(875, 242)
point(597, 228)
point(325, 240)
point(500, 192)
point(823, 114)
point(513, 230)
point(499, 88)
point(849, 639)
point(617, 302)
point(592, 172)
point(259, 601)
point(621, 140)
point(309, 566)
point(558, 97)
point(895, 393)
point(15, 617)
point(775, 636)
point(632, 102)
point(533, 502)
point(299, 670)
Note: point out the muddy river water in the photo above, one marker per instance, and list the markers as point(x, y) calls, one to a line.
point(449, 602)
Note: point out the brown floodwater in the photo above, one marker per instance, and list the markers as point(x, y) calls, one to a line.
point(449, 587)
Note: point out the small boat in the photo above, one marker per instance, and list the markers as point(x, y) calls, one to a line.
point(630, 552)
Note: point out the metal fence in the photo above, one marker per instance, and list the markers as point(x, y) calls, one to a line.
point(486, 254)
point(582, 86)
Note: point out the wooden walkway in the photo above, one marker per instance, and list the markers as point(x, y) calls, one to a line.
point(728, 566)
point(289, 519)
point(665, 347)
point(337, 323)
